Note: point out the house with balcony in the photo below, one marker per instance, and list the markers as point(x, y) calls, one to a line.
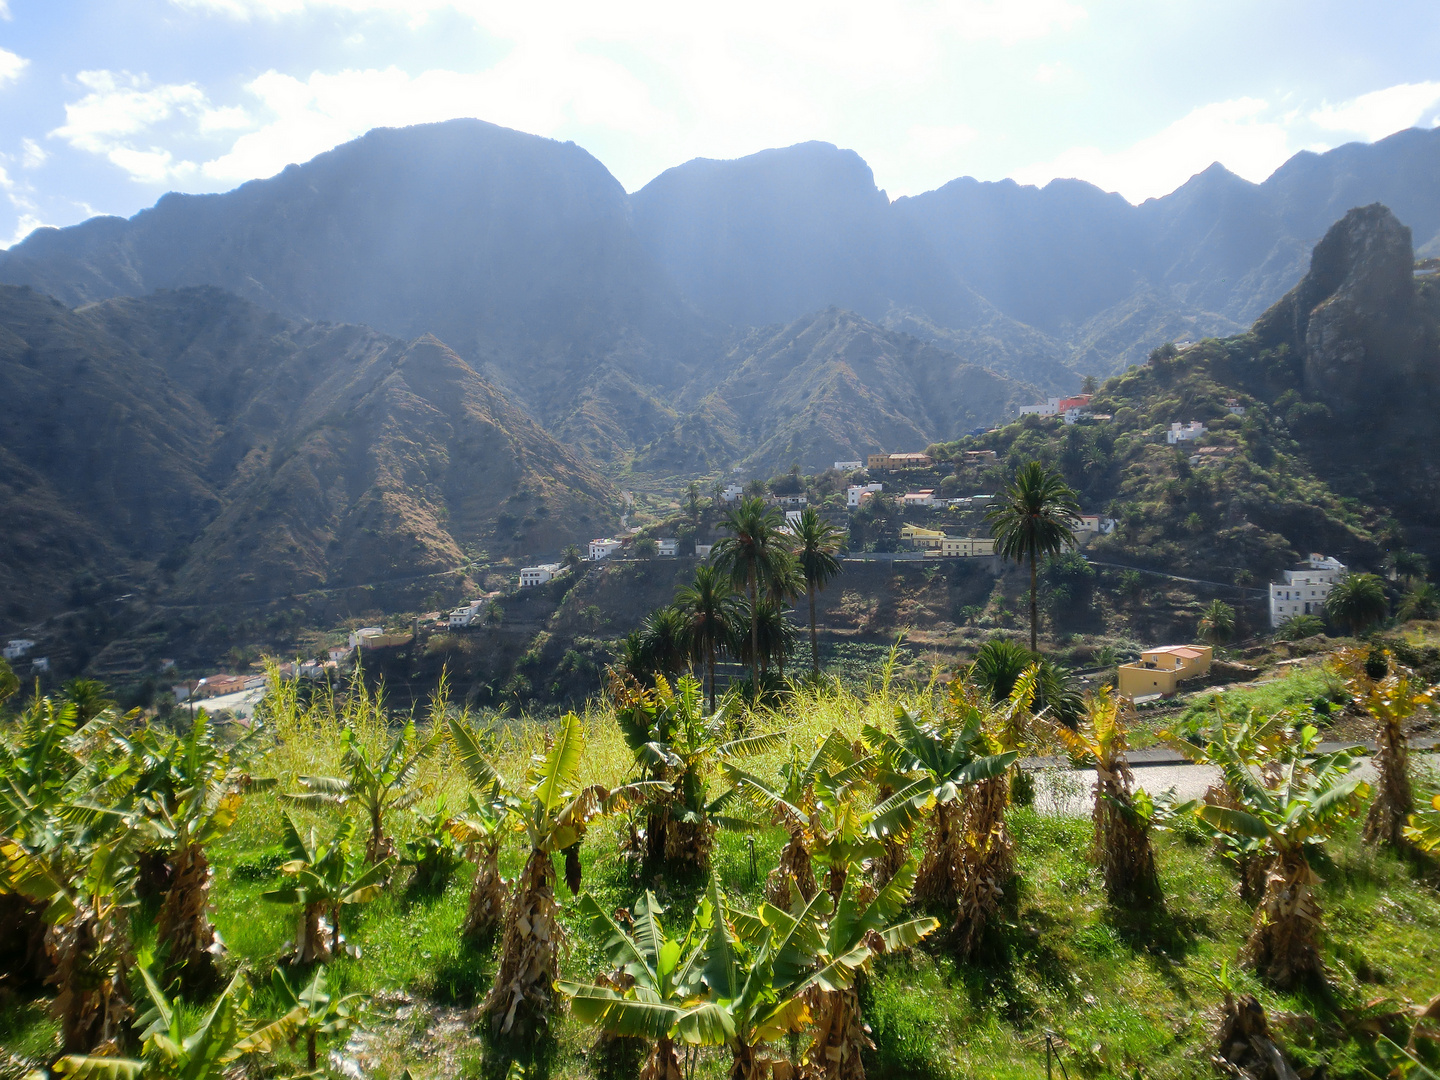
point(1179, 432)
point(897, 462)
point(1160, 671)
point(17, 648)
point(855, 493)
point(668, 546)
point(922, 537)
point(967, 547)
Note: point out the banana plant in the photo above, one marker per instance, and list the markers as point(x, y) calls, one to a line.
point(1423, 828)
point(1122, 828)
point(377, 787)
point(433, 851)
point(555, 814)
point(674, 741)
point(489, 813)
point(187, 793)
point(1289, 819)
point(86, 893)
point(820, 956)
point(813, 803)
point(654, 988)
point(968, 853)
point(173, 1049)
point(314, 1014)
point(1390, 701)
point(327, 879)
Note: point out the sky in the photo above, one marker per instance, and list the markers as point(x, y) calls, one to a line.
point(105, 105)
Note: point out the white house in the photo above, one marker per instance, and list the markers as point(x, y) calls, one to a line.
point(469, 614)
point(365, 635)
point(732, 492)
point(702, 551)
point(792, 500)
point(792, 519)
point(17, 648)
point(848, 466)
point(668, 545)
point(919, 498)
point(339, 653)
point(1179, 433)
point(40, 663)
point(537, 575)
point(1234, 408)
point(604, 547)
point(1303, 591)
point(1095, 523)
point(855, 492)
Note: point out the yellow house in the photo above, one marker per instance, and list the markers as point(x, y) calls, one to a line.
point(967, 545)
point(925, 538)
point(891, 462)
point(1160, 671)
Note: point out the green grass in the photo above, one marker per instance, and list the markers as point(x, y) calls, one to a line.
point(1115, 991)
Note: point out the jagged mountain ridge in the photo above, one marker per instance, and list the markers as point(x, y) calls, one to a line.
point(594, 308)
point(216, 451)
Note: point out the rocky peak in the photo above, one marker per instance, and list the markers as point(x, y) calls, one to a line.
point(1351, 315)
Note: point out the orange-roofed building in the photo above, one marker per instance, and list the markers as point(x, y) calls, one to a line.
point(1160, 671)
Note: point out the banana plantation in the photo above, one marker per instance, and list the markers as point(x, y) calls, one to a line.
point(835, 885)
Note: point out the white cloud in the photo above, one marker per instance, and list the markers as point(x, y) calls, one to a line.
point(24, 226)
point(4, 10)
point(1243, 134)
point(1383, 112)
point(932, 141)
point(534, 93)
point(123, 117)
point(10, 65)
point(1046, 74)
point(33, 155)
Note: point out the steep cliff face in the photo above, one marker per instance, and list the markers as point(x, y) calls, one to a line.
point(1352, 318)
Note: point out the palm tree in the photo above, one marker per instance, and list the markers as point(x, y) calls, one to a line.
point(709, 607)
point(572, 559)
point(89, 697)
point(1390, 700)
point(1036, 515)
point(384, 785)
point(312, 1013)
point(1289, 819)
point(326, 878)
point(1217, 622)
point(1357, 601)
point(816, 545)
point(665, 639)
point(754, 555)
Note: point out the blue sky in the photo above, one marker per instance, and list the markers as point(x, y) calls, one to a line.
point(107, 104)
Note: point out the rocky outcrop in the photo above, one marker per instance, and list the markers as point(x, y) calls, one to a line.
point(1351, 318)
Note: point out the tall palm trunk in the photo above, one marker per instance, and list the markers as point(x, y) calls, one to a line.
point(1034, 607)
point(710, 664)
point(754, 634)
point(814, 637)
point(183, 923)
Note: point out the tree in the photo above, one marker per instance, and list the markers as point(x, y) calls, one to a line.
point(1289, 818)
point(997, 667)
point(692, 504)
point(754, 555)
point(817, 543)
point(1089, 385)
point(378, 787)
point(90, 698)
point(1357, 601)
point(1036, 515)
point(709, 608)
point(9, 681)
point(489, 810)
point(1122, 823)
point(326, 878)
point(675, 743)
point(188, 794)
point(665, 639)
point(556, 811)
point(1421, 601)
point(572, 559)
point(1217, 622)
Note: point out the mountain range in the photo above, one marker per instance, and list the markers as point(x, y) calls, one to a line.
point(442, 339)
